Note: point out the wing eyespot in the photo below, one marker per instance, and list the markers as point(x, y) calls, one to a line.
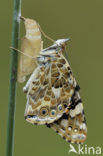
point(44, 111)
point(53, 112)
point(60, 108)
point(70, 128)
point(76, 130)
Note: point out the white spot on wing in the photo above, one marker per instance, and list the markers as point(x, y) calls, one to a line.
point(56, 92)
point(30, 108)
point(78, 109)
point(64, 123)
point(75, 130)
point(69, 128)
point(48, 52)
point(78, 136)
point(77, 123)
point(83, 126)
point(63, 131)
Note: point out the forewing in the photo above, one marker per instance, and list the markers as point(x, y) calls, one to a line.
point(50, 91)
point(31, 45)
point(41, 101)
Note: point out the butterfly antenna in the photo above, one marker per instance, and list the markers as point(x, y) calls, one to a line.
point(46, 36)
point(66, 54)
point(22, 53)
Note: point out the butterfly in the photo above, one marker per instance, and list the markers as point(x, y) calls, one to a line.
point(52, 92)
point(53, 95)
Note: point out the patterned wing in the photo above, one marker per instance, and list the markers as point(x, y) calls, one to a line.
point(50, 90)
point(52, 95)
point(31, 45)
point(72, 125)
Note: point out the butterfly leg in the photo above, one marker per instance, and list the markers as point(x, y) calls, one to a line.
point(26, 87)
point(33, 76)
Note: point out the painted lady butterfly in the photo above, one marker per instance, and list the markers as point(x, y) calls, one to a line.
point(52, 92)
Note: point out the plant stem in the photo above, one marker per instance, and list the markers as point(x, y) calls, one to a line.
point(13, 77)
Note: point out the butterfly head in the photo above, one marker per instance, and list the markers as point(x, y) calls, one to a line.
point(59, 45)
point(62, 42)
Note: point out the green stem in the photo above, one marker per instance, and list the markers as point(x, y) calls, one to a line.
point(13, 77)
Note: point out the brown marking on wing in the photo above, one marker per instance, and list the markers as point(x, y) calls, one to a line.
point(46, 98)
point(67, 128)
point(62, 61)
point(37, 105)
point(53, 101)
point(60, 65)
point(53, 80)
point(56, 74)
point(49, 93)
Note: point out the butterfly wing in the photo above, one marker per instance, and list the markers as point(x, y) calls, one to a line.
point(41, 101)
point(50, 90)
point(31, 45)
point(72, 125)
point(53, 98)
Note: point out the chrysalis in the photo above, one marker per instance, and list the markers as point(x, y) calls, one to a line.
point(31, 45)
